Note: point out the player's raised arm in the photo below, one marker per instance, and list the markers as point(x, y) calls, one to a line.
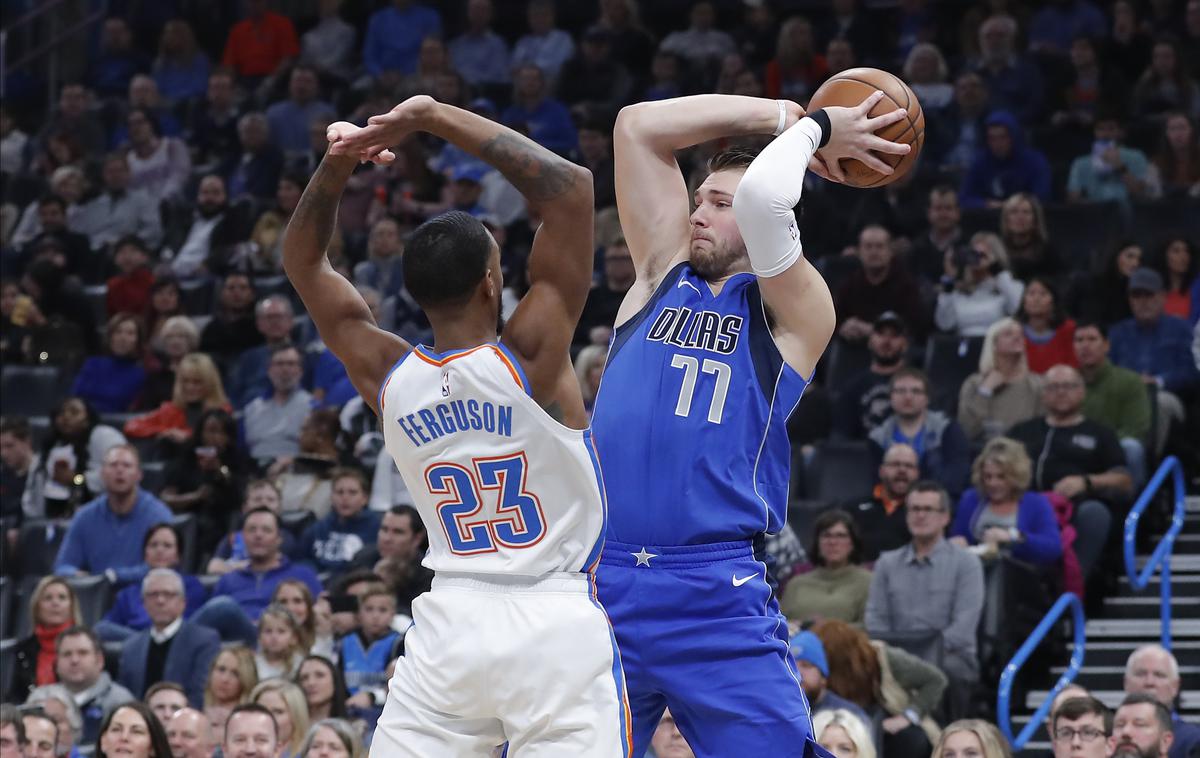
point(560, 264)
point(794, 291)
point(336, 307)
point(652, 197)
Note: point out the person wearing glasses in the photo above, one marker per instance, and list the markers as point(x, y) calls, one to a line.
point(1081, 728)
point(931, 584)
point(882, 519)
point(837, 587)
point(938, 439)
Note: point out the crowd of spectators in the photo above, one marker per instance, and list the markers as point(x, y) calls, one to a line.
point(217, 554)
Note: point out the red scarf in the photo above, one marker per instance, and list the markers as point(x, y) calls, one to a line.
point(46, 635)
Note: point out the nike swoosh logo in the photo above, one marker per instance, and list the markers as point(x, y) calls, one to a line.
point(739, 581)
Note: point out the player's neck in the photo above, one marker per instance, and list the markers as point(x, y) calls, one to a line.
point(462, 335)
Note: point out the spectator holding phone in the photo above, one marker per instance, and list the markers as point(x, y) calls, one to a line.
point(206, 476)
point(977, 288)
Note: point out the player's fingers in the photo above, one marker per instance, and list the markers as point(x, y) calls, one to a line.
point(818, 167)
point(887, 119)
point(835, 171)
point(880, 145)
point(866, 105)
point(385, 157)
point(874, 163)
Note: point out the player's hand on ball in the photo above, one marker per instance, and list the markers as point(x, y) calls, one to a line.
point(853, 136)
point(342, 136)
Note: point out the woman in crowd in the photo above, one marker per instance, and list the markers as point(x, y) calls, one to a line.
point(1023, 232)
point(207, 476)
point(837, 587)
point(324, 688)
point(177, 337)
point(53, 607)
point(1104, 297)
point(1049, 334)
point(926, 72)
point(1003, 392)
point(166, 302)
point(286, 703)
point(1179, 265)
point(977, 288)
point(312, 616)
point(797, 69)
point(112, 382)
point(1178, 157)
point(231, 677)
point(267, 235)
point(589, 365)
point(889, 684)
point(1165, 84)
point(132, 730)
point(999, 511)
point(332, 738)
point(197, 389)
point(971, 738)
point(66, 472)
point(161, 548)
point(842, 733)
point(68, 183)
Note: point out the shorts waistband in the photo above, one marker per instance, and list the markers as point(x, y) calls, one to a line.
point(559, 581)
point(674, 556)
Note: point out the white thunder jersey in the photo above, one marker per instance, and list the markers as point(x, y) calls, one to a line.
point(501, 486)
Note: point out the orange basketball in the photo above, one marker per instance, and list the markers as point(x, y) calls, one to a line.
point(852, 86)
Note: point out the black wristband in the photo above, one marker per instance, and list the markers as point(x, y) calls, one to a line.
point(822, 119)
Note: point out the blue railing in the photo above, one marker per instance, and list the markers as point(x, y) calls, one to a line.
point(1162, 553)
point(1003, 704)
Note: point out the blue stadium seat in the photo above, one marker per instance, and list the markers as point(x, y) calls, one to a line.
point(30, 390)
point(949, 360)
point(94, 595)
point(839, 471)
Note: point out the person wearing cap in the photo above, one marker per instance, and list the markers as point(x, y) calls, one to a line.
point(863, 402)
point(1156, 345)
point(809, 653)
point(466, 188)
point(545, 45)
point(1078, 459)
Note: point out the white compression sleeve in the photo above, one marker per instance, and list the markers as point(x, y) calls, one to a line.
point(767, 194)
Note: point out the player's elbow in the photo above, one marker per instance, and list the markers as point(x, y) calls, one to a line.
point(628, 119)
point(757, 198)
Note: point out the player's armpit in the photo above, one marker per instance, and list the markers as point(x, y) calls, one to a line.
point(340, 313)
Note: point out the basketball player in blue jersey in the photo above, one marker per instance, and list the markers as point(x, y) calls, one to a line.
point(713, 346)
point(488, 429)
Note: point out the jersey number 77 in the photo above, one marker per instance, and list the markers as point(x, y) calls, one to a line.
point(471, 525)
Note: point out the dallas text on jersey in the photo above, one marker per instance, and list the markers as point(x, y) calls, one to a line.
point(706, 330)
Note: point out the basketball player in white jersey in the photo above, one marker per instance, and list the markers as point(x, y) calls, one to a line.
point(488, 429)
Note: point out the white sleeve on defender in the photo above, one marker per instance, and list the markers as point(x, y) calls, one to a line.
point(767, 194)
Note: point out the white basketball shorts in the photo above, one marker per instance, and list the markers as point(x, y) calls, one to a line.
point(493, 660)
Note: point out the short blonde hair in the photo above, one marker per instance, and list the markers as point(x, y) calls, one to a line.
point(185, 326)
point(247, 672)
point(943, 70)
point(1012, 459)
point(989, 737)
point(987, 356)
point(995, 246)
point(199, 363)
point(849, 723)
point(43, 584)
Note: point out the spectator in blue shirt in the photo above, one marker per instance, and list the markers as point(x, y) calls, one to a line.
point(545, 46)
point(1061, 21)
point(241, 595)
point(394, 36)
point(332, 543)
point(111, 383)
point(117, 60)
point(248, 379)
point(105, 536)
point(181, 69)
point(1111, 171)
point(291, 120)
point(544, 119)
point(1013, 81)
point(479, 54)
point(1005, 166)
point(1155, 345)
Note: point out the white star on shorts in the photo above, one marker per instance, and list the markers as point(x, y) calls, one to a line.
point(643, 558)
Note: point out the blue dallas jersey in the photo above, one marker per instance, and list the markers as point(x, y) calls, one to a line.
point(691, 418)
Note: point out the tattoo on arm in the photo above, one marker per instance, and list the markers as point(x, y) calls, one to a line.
point(317, 210)
point(539, 174)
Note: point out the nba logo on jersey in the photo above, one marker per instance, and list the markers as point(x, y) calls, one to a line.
point(445, 384)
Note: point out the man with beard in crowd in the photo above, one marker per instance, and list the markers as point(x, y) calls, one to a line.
point(864, 403)
point(204, 244)
point(882, 519)
point(1141, 728)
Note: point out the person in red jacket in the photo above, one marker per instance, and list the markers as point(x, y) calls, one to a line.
point(260, 44)
point(1049, 334)
point(129, 291)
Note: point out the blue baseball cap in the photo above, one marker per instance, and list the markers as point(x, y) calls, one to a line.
point(807, 646)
